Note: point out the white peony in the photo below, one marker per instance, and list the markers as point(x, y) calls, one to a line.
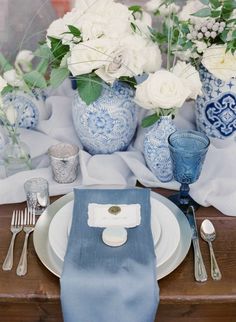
point(154, 5)
point(190, 78)
point(13, 79)
point(220, 63)
point(24, 59)
point(90, 55)
point(3, 84)
point(163, 90)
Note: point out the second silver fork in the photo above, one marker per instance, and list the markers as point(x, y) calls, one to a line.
point(29, 223)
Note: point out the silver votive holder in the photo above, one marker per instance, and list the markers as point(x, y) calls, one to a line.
point(37, 194)
point(64, 161)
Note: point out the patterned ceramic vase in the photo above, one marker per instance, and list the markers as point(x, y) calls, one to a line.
point(156, 149)
point(108, 124)
point(30, 107)
point(216, 108)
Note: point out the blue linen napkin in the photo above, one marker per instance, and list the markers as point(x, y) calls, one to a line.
point(100, 283)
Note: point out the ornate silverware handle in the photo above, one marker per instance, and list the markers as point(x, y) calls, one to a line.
point(22, 266)
point(8, 262)
point(199, 267)
point(215, 271)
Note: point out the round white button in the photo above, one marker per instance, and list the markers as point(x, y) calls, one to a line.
point(114, 236)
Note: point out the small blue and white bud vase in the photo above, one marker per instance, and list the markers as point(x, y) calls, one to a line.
point(156, 149)
point(216, 108)
point(30, 106)
point(108, 124)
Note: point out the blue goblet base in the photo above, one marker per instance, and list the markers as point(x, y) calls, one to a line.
point(175, 198)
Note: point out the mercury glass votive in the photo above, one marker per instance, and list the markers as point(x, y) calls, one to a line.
point(64, 161)
point(37, 194)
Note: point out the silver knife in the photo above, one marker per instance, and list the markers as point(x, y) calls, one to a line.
point(199, 267)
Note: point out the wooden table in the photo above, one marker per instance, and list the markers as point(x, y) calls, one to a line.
point(35, 297)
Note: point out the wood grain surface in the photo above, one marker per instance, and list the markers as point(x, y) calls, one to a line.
point(36, 296)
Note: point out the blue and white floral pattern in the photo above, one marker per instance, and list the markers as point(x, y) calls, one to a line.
point(156, 148)
point(108, 124)
point(27, 105)
point(216, 109)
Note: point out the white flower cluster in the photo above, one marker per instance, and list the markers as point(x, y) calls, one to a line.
point(113, 41)
point(169, 89)
point(23, 64)
point(208, 29)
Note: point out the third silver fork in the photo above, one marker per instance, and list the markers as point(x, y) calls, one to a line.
point(29, 223)
point(16, 227)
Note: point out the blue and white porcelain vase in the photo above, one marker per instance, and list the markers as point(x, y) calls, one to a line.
point(216, 108)
point(108, 124)
point(30, 106)
point(156, 148)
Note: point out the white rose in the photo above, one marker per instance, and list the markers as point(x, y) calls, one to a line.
point(190, 78)
point(56, 30)
point(3, 84)
point(11, 114)
point(24, 59)
point(132, 56)
point(163, 90)
point(13, 79)
point(89, 55)
point(219, 63)
point(154, 5)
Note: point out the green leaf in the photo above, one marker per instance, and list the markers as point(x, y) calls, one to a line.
point(135, 8)
point(75, 31)
point(215, 13)
point(58, 76)
point(35, 79)
point(150, 120)
point(7, 90)
point(57, 48)
point(205, 12)
point(206, 2)
point(42, 66)
point(89, 87)
point(43, 52)
point(131, 81)
point(223, 35)
point(234, 34)
point(215, 3)
point(4, 63)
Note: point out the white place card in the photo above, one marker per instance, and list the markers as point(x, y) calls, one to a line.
point(100, 215)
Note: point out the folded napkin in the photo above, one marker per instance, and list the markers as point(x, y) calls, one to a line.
point(101, 283)
point(101, 216)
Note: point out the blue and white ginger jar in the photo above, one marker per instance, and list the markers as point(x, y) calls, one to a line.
point(216, 108)
point(156, 148)
point(108, 124)
point(30, 106)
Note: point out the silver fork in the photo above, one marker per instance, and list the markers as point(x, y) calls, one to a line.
point(29, 223)
point(16, 227)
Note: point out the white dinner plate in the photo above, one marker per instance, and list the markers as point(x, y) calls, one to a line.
point(162, 220)
point(55, 265)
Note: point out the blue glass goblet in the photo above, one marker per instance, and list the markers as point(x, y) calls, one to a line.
point(187, 150)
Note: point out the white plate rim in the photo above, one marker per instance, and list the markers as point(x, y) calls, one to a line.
point(43, 251)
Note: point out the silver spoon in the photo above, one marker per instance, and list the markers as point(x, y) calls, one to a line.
point(208, 233)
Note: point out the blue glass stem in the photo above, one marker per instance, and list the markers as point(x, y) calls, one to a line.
point(184, 194)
